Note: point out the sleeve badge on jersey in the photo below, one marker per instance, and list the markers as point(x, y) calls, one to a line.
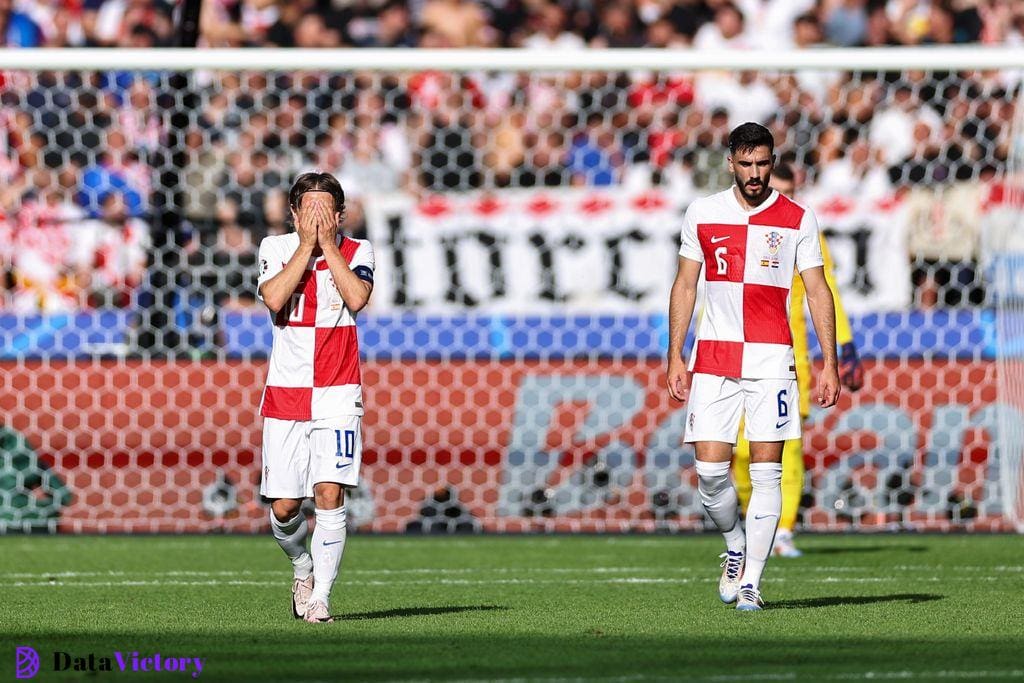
point(264, 266)
point(774, 240)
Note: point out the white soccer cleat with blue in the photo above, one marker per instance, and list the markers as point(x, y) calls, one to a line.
point(784, 547)
point(732, 570)
point(302, 590)
point(749, 599)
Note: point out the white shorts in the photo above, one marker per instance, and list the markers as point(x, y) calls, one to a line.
point(771, 408)
point(300, 453)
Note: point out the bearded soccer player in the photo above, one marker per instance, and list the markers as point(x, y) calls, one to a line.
point(851, 375)
point(314, 281)
point(749, 240)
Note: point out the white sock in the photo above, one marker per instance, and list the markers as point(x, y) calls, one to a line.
point(327, 548)
point(291, 536)
point(719, 498)
point(762, 518)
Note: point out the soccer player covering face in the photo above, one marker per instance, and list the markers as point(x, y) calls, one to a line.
point(748, 240)
point(314, 281)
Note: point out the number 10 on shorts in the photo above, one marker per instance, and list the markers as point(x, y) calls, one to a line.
point(346, 447)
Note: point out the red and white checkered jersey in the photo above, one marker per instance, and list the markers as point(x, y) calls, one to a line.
point(749, 259)
point(314, 362)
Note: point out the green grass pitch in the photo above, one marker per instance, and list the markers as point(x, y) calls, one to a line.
point(612, 608)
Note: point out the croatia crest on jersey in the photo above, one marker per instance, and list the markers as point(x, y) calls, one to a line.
point(774, 241)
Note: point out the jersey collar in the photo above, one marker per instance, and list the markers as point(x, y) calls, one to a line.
point(766, 204)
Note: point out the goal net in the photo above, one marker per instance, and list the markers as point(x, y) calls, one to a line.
point(1006, 245)
point(525, 211)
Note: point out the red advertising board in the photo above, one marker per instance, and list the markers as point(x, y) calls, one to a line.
point(517, 446)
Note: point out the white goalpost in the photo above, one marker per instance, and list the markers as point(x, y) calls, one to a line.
point(416, 59)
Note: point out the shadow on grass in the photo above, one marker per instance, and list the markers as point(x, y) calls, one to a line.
point(401, 651)
point(832, 601)
point(854, 549)
point(417, 612)
point(356, 652)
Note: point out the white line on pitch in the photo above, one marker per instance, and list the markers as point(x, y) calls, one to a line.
point(417, 570)
point(786, 569)
point(422, 582)
point(900, 675)
point(475, 582)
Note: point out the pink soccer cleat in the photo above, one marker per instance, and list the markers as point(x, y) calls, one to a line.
point(302, 589)
point(317, 613)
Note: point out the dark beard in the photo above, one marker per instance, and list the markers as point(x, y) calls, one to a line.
point(758, 195)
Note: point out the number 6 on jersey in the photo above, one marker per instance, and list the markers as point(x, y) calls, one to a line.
point(723, 265)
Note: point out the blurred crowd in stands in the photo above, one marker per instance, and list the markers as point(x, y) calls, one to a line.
point(84, 157)
point(770, 24)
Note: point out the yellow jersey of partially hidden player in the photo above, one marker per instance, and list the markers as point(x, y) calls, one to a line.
point(798, 324)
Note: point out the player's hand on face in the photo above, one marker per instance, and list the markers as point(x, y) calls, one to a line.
point(328, 224)
point(828, 388)
point(306, 223)
point(678, 380)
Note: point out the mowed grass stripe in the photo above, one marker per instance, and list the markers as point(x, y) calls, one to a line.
point(527, 608)
point(786, 676)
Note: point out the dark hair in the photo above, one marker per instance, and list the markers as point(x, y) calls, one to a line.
point(784, 171)
point(807, 18)
point(316, 181)
point(748, 136)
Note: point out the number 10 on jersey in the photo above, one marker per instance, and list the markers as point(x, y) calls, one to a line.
point(298, 307)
